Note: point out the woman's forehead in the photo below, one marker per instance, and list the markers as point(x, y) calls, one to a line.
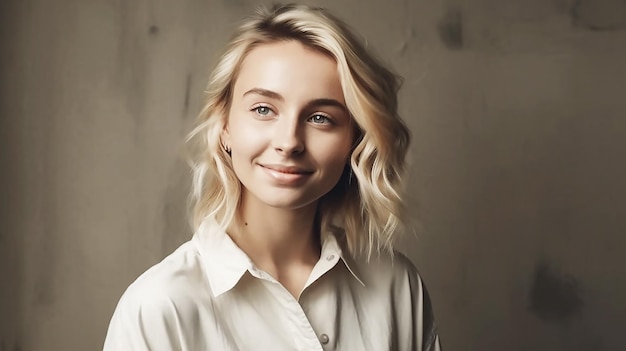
point(289, 68)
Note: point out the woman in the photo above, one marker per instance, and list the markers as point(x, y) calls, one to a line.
point(297, 197)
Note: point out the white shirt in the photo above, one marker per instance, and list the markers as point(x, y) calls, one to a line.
point(208, 295)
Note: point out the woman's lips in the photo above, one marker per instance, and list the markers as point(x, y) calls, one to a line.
point(286, 175)
point(286, 169)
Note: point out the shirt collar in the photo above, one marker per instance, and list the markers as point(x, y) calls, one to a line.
point(331, 249)
point(223, 260)
point(225, 263)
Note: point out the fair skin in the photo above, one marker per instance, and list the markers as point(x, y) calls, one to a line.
point(290, 135)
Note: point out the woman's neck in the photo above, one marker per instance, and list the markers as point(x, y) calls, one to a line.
point(275, 238)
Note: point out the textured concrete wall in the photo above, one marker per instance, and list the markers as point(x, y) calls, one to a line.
point(518, 115)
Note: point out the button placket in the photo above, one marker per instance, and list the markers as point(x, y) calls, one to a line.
point(300, 328)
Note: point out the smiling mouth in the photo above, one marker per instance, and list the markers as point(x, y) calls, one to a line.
point(287, 170)
point(286, 175)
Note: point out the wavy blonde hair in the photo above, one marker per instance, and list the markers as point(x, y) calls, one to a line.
point(366, 204)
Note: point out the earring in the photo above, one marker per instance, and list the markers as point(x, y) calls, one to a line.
point(350, 175)
point(227, 149)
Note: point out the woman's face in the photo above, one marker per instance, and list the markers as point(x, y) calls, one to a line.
point(288, 127)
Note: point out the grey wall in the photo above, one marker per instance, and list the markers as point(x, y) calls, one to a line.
point(518, 176)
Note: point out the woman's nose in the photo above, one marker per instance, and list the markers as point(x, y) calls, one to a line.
point(288, 138)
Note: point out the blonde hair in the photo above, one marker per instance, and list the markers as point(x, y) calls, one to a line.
point(366, 204)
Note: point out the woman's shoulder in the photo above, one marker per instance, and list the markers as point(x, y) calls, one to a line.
point(175, 279)
point(385, 264)
point(378, 265)
point(164, 296)
point(386, 272)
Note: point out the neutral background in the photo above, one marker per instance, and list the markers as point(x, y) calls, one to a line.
point(518, 172)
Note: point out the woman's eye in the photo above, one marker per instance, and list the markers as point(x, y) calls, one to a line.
point(262, 110)
point(320, 119)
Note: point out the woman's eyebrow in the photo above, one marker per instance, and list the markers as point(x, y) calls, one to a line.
point(327, 102)
point(266, 93)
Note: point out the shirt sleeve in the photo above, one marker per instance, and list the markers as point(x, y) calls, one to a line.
point(421, 318)
point(429, 327)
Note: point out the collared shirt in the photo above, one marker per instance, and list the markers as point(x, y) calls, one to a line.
point(209, 295)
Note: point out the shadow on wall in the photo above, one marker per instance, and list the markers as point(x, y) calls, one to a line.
point(599, 15)
point(554, 296)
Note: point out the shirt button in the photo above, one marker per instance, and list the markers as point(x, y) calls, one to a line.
point(324, 339)
point(330, 258)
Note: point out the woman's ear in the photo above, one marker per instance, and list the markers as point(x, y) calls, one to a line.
point(225, 139)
